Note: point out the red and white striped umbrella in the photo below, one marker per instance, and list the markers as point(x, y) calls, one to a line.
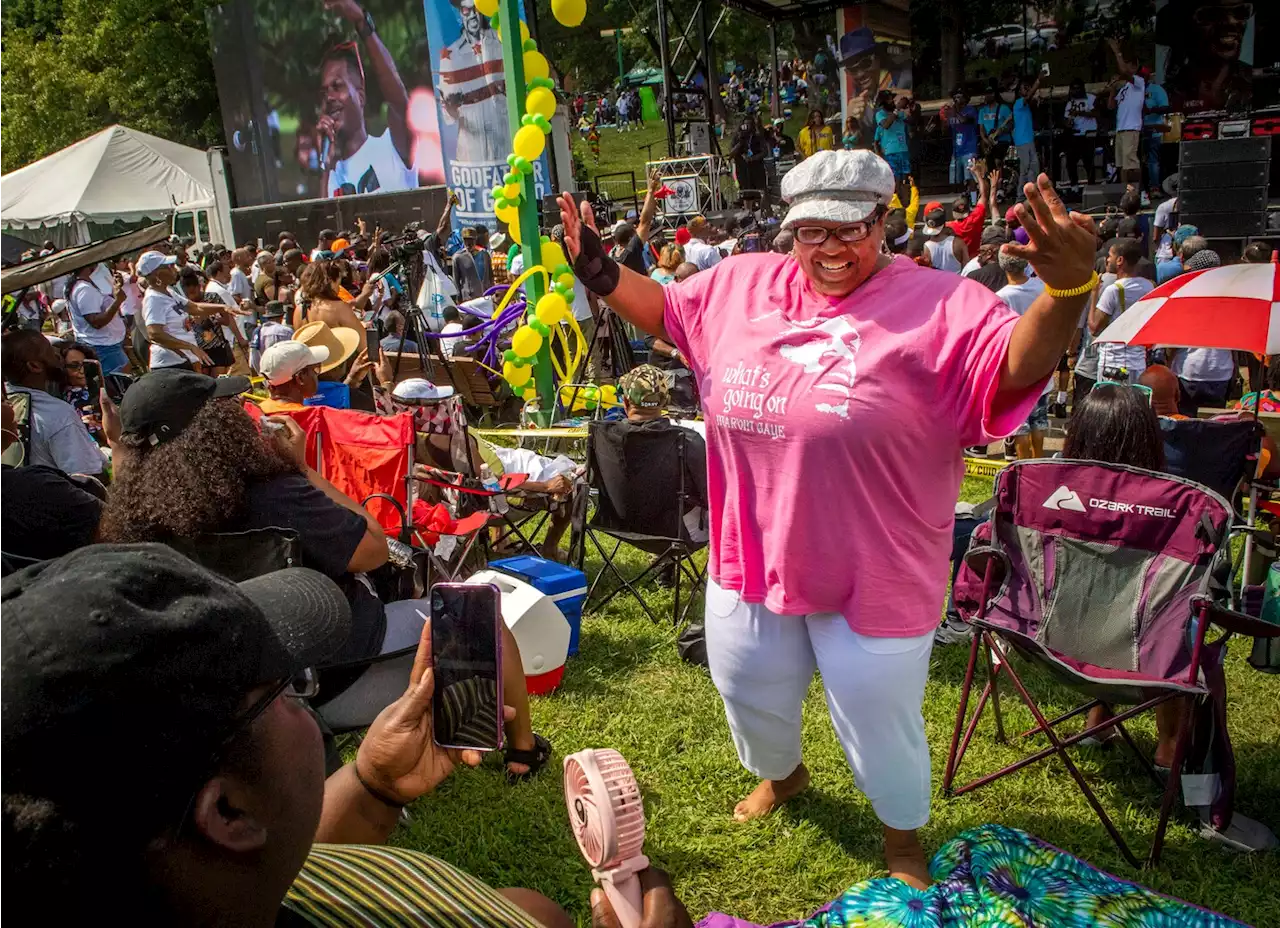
point(1235, 307)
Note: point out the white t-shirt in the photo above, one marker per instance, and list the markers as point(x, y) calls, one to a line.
point(1164, 216)
point(58, 436)
point(1081, 124)
point(87, 300)
point(223, 294)
point(241, 286)
point(1020, 297)
point(700, 253)
point(1115, 300)
point(1204, 365)
point(969, 268)
point(448, 344)
point(376, 166)
point(163, 307)
point(1129, 99)
point(132, 295)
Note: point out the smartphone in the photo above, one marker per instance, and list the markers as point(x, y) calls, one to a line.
point(466, 653)
point(93, 383)
point(373, 344)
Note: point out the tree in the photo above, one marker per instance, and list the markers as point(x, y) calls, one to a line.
point(73, 67)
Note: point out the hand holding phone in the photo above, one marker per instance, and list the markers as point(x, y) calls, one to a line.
point(93, 383)
point(466, 655)
point(373, 346)
point(400, 756)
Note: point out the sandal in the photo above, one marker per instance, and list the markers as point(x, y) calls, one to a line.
point(536, 758)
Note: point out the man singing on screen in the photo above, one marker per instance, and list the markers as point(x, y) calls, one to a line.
point(351, 160)
point(475, 90)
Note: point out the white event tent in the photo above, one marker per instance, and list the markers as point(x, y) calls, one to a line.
point(112, 181)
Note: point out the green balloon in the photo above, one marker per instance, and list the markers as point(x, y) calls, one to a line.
point(529, 45)
point(511, 177)
point(509, 355)
point(523, 166)
point(539, 327)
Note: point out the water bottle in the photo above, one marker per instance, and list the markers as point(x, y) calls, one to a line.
point(498, 502)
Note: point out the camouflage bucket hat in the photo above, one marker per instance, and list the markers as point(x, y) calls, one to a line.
point(646, 386)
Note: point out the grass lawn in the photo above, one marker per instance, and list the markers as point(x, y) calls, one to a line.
point(628, 690)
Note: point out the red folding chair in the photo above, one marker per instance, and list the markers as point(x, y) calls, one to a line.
point(1101, 575)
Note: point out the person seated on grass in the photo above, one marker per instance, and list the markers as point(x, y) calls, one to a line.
point(34, 376)
point(222, 814)
point(191, 462)
point(646, 392)
point(1116, 424)
point(44, 513)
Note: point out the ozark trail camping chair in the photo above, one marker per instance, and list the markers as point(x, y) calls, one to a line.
point(642, 495)
point(1100, 574)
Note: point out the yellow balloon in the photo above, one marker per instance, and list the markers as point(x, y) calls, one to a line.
point(512, 191)
point(535, 65)
point(514, 230)
point(540, 101)
point(516, 376)
point(609, 393)
point(552, 255)
point(524, 32)
point(508, 214)
point(567, 12)
point(488, 7)
point(565, 280)
point(552, 307)
point(529, 143)
point(526, 342)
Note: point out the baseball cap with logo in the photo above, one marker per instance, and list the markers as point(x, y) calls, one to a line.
point(935, 218)
point(151, 261)
point(161, 404)
point(285, 359)
point(136, 644)
point(646, 386)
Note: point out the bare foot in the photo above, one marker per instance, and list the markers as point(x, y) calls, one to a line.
point(905, 858)
point(771, 794)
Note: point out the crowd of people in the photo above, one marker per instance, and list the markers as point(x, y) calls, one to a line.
point(810, 348)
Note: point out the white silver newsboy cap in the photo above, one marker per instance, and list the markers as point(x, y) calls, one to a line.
point(836, 186)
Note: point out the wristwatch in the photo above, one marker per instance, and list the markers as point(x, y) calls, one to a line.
point(369, 28)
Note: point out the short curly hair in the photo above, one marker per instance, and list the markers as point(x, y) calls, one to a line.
point(195, 484)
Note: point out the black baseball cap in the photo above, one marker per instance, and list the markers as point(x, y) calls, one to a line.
point(141, 661)
point(273, 310)
point(161, 404)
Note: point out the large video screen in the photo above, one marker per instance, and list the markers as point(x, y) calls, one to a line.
point(325, 98)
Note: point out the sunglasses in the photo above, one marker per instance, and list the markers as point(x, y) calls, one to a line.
point(1146, 391)
point(302, 686)
point(849, 234)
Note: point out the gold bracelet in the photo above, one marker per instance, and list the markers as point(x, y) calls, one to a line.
point(1074, 291)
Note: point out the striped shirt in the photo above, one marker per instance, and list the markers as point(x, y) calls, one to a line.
point(356, 886)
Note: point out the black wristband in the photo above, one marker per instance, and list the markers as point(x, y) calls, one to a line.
point(375, 793)
point(593, 266)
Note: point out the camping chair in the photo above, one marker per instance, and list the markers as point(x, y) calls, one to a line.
point(1216, 453)
point(642, 498)
point(1100, 574)
point(470, 501)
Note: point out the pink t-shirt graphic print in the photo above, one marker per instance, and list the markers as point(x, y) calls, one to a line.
point(835, 430)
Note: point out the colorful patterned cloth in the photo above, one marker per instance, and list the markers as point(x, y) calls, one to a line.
point(996, 876)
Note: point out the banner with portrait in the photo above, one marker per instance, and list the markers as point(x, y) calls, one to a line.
point(325, 98)
point(873, 44)
point(471, 97)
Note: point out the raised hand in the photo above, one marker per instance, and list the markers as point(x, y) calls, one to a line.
point(1062, 248)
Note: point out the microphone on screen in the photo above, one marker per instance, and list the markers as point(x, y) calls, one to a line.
point(325, 144)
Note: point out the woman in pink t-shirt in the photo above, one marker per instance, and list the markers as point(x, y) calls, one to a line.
point(839, 387)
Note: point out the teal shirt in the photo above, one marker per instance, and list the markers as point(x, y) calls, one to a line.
point(891, 139)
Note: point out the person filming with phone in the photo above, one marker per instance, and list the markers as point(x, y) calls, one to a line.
point(223, 814)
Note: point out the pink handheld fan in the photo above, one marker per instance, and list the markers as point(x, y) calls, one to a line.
point(607, 816)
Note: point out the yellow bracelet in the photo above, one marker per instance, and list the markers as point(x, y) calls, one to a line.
point(1074, 291)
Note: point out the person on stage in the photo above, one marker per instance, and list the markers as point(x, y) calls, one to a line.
point(841, 385)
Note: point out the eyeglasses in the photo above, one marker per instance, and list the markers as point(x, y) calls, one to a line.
point(74, 365)
point(301, 686)
point(849, 234)
point(1215, 15)
point(1146, 391)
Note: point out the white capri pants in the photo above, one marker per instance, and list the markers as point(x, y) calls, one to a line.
point(762, 663)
